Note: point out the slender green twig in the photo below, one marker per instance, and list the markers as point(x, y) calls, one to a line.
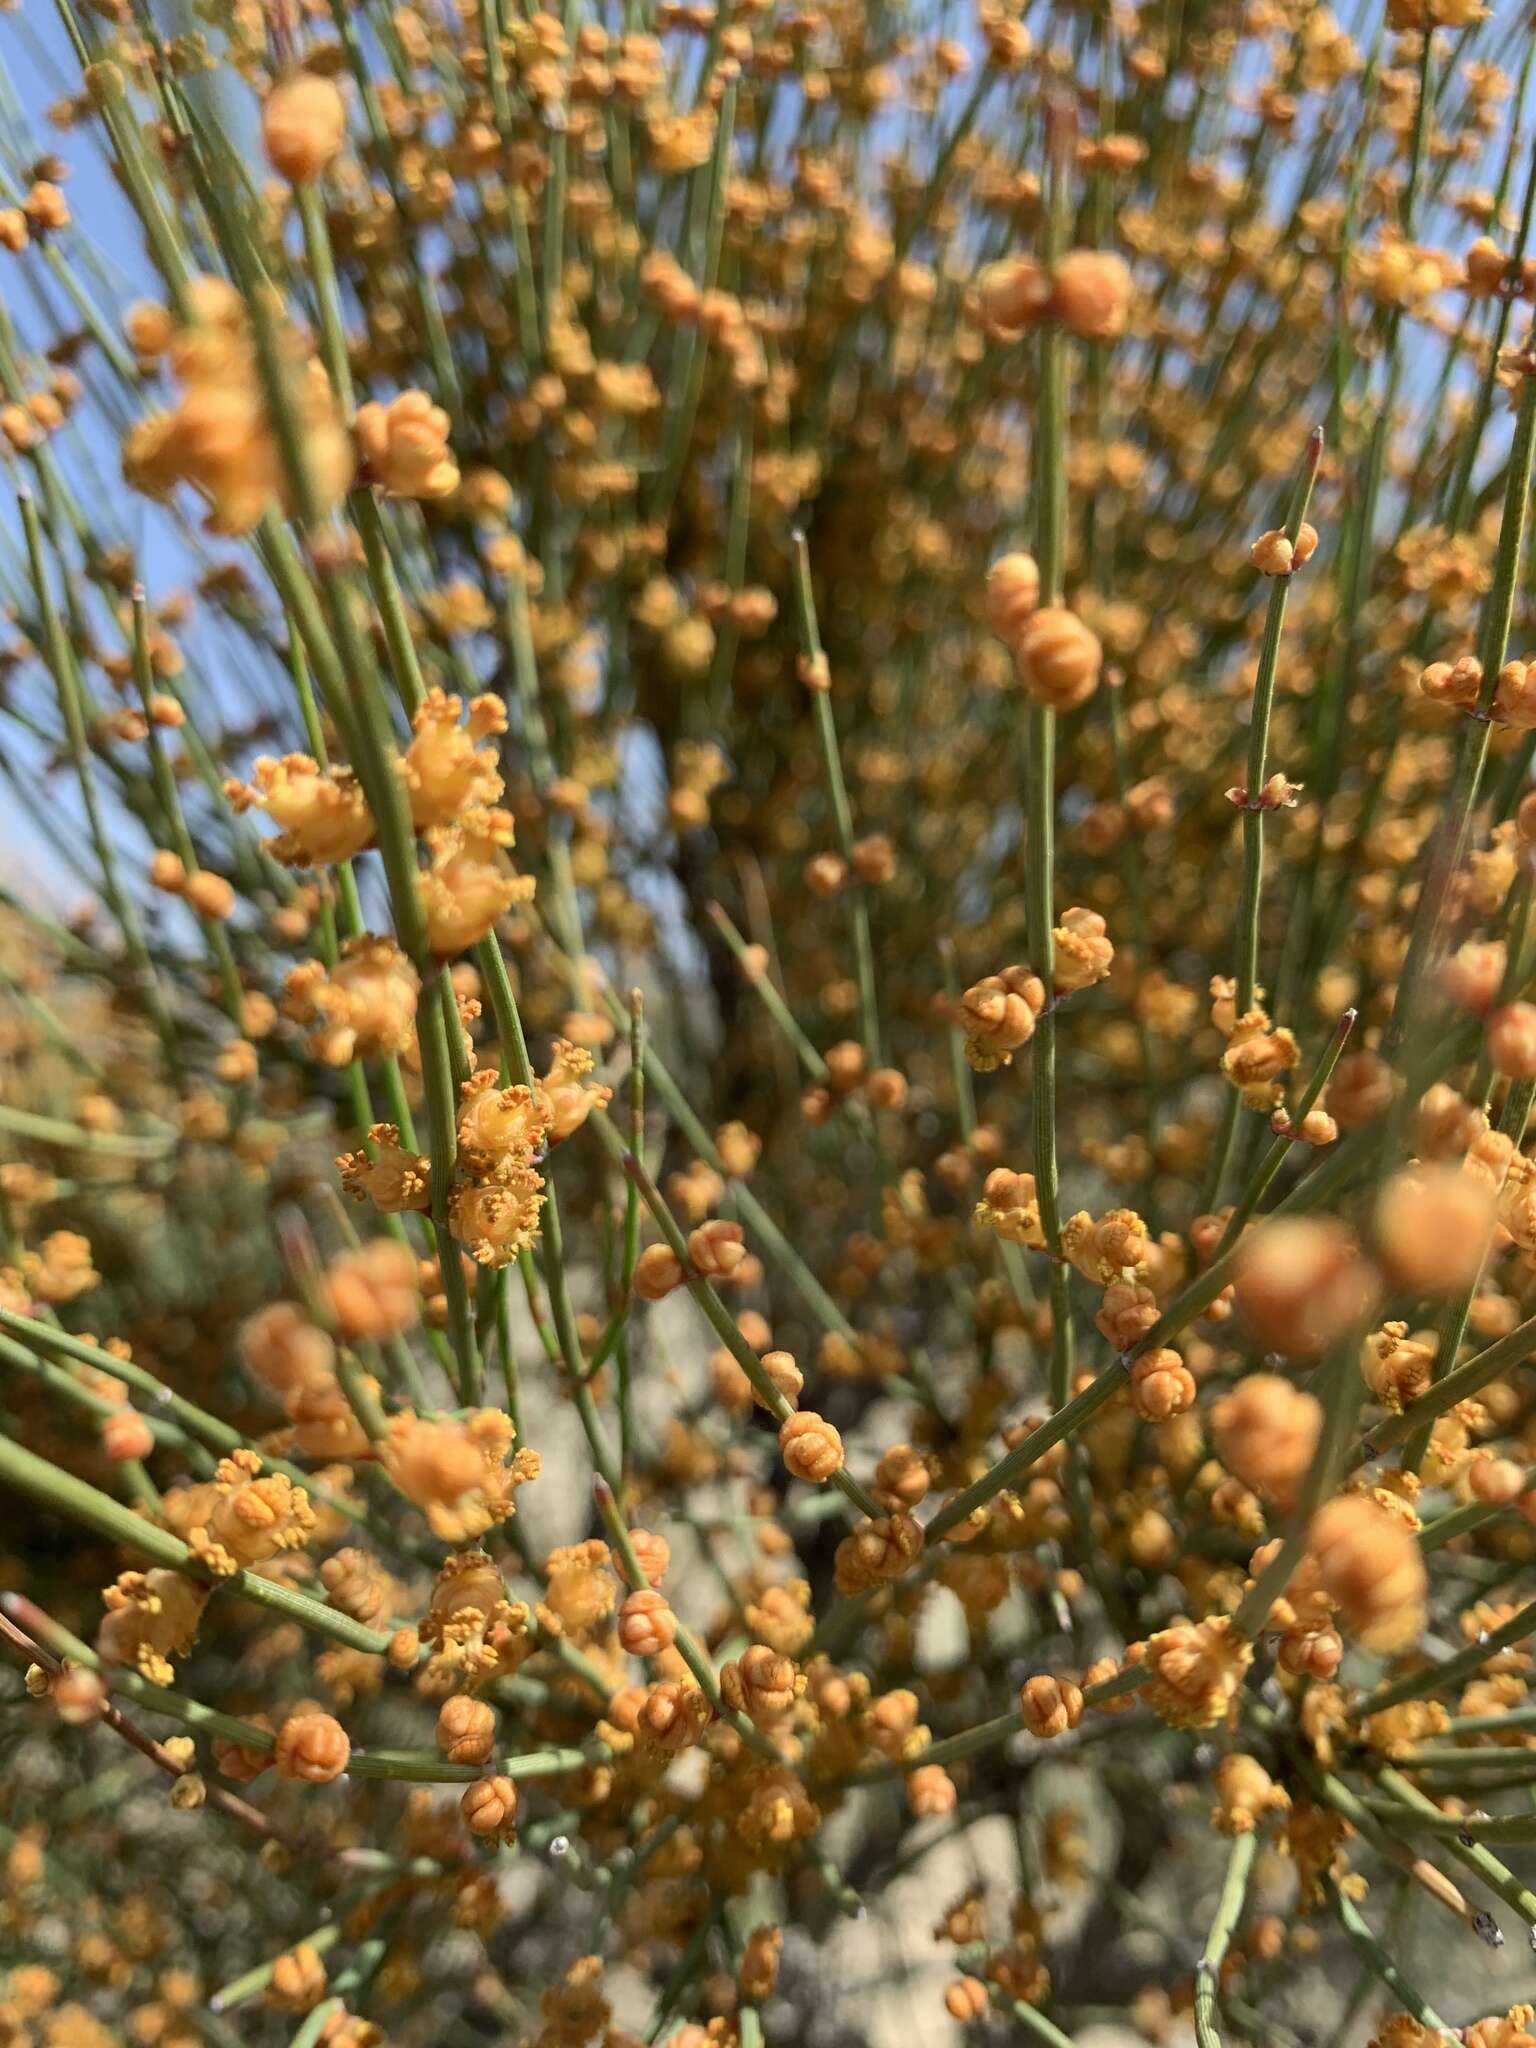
point(1451, 834)
point(175, 820)
point(321, 1940)
point(1451, 1671)
point(78, 1502)
point(718, 1315)
point(1229, 1909)
point(775, 1005)
point(1378, 1960)
point(61, 664)
point(1050, 449)
point(688, 1646)
point(855, 897)
point(1253, 798)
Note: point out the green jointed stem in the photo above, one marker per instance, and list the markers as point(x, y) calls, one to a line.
point(1474, 1856)
point(1451, 1671)
point(174, 819)
point(1258, 742)
point(1451, 836)
point(239, 1989)
point(429, 1767)
point(1050, 484)
point(763, 988)
point(1453, 1323)
point(751, 1211)
point(687, 1644)
point(50, 1130)
point(322, 266)
point(717, 1314)
point(985, 1735)
point(1229, 1909)
point(1027, 2018)
point(1378, 1960)
point(854, 893)
point(1460, 1385)
point(630, 1252)
point(40, 1336)
point(60, 659)
point(1251, 899)
point(78, 1502)
point(154, 1699)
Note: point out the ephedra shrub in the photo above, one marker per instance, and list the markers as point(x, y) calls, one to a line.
point(768, 1018)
